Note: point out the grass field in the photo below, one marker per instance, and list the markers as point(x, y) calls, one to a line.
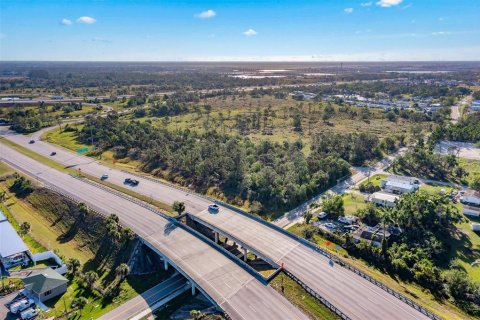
point(4, 169)
point(352, 202)
point(445, 309)
point(376, 180)
point(472, 167)
point(301, 298)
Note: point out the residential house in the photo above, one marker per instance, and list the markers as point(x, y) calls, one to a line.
point(400, 184)
point(371, 234)
point(45, 284)
point(383, 199)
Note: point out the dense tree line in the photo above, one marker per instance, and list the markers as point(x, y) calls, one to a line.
point(269, 176)
point(467, 129)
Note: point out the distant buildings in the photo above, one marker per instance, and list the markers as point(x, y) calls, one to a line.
point(302, 96)
point(13, 250)
point(475, 105)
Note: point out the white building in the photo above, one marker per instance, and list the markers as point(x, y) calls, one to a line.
point(13, 250)
point(475, 105)
point(384, 199)
point(400, 184)
point(471, 197)
point(471, 211)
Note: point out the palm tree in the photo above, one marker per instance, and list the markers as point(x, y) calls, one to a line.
point(73, 265)
point(122, 271)
point(179, 207)
point(25, 227)
point(90, 278)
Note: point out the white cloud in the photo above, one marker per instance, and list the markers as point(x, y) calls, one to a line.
point(86, 20)
point(250, 32)
point(366, 4)
point(66, 22)
point(348, 10)
point(206, 14)
point(389, 3)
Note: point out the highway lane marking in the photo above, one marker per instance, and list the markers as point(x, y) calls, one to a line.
point(145, 298)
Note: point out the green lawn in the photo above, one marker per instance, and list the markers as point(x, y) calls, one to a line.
point(301, 298)
point(66, 139)
point(435, 189)
point(376, 180)
point(352, 202)
point(4, 169)
point(470, 166)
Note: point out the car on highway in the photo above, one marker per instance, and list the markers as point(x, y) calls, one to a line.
point(53, 153)
point(29, 313)
point(31, 141)
point(131, 182)
point(213, 207)
point(104, 176)
point(21, 305)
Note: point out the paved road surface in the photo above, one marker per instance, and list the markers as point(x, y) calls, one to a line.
point(465, 149)
point(147, 299)
point(352, 294)
point(235, 290)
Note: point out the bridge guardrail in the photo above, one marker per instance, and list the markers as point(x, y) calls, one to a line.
point(317, 296)
point(313, 246)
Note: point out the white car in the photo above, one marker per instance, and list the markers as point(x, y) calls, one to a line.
point(330, 226)
point(21, 305)
point(28, 314)
point(322, 215)
point(347, 219)
point(104, 176)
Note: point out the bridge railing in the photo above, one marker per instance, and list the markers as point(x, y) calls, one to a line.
point(314, 247)
point(317, 296)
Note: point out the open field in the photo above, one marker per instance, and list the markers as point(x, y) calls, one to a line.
point(352, 202)
point(445, 309)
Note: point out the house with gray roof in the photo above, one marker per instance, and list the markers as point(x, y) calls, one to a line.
point(45, 284)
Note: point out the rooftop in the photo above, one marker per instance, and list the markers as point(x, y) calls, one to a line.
point(385, 196)
point(10, 241)
point(44, 280)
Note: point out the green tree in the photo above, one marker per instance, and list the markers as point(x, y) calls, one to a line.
point(25, 227)
point(308, 216)
point(178, 206)
point(122, 271)
point(73, 264)
point(333, 206)
point(90, 278)
point(79, 302)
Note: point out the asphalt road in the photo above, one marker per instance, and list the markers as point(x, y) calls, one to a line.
point(146, 299)
point(355, 296)
point(234, 289)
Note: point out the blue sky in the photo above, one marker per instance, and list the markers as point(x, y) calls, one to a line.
point(269, 30)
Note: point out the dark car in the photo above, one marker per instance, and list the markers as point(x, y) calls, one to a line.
point(213, 207)
point(31, 141)
point(134, 183)
point(53, 153)
point(128, 181)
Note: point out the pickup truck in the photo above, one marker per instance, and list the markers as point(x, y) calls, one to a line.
point(21, 305)
point(28, 314)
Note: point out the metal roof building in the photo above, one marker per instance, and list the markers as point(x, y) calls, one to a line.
point(10, 242)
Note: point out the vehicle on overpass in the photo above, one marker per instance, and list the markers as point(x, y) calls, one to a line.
point(213, 207)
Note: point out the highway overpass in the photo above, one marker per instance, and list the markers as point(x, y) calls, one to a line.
point(352, 294)
point(223, 280)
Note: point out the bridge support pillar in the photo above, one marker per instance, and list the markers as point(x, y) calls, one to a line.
point(216, 237)
point(245, 254)
point(193, 289)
